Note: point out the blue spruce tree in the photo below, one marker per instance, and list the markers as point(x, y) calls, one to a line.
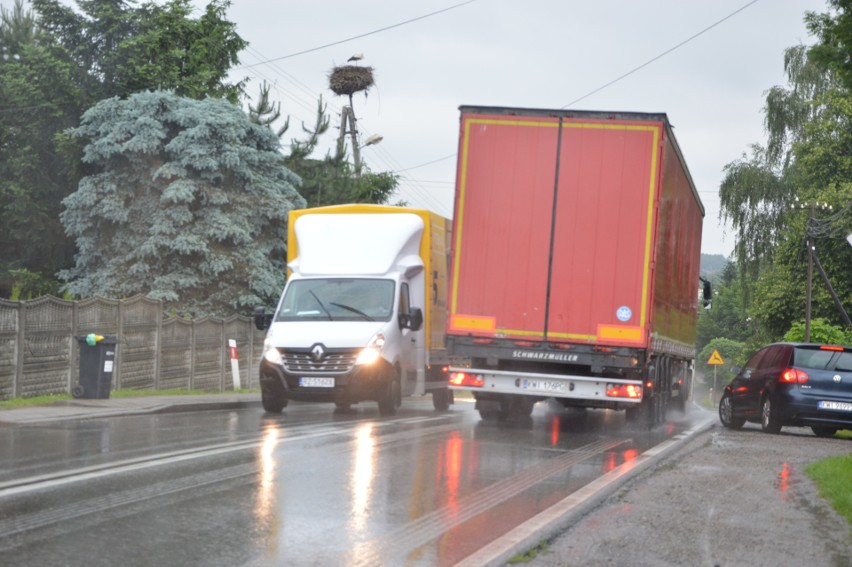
point(187, 203)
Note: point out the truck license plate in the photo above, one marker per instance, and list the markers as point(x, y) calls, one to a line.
point(310, 382)
point(543, 385)
point(841, 406)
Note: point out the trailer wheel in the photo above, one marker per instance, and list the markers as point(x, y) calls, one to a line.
point(490, 413)
point(522, 407)
point(272, 397)
point(643, 415)
point(441, 399)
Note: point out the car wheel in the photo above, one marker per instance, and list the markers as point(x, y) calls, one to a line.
point(272, 397)
point(823, 430)
point(726, 413)
point(441, 399)
point(768, 417)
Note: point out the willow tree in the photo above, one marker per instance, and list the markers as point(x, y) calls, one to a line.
point(805, 160)
point(189, 205)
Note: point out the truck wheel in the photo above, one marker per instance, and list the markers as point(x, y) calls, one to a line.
point(342, 407)
point(769, 421)
point(726, 413)
point(441, 399)
point(78, 391)
point(272, 397)
point(391, 398)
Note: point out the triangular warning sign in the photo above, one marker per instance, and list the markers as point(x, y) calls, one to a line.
point(716, 358)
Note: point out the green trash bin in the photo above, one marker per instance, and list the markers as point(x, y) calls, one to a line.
point(97, 360)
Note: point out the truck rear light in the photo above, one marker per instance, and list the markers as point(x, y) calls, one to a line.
point(624, 390)
point(465, 379)
point(483, 341)
point(525, 343)
point(793, 376)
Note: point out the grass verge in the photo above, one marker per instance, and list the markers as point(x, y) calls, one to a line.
point(833, 477)
point(46, 400)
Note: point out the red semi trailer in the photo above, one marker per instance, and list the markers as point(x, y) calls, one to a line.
point(575, 266)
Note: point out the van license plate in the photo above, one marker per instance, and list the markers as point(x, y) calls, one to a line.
point(310, 382)
point(840, 406)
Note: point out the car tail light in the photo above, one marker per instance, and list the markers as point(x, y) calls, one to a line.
point(793, 376)
point(830, 347)
point(465, 379)
point(624, 390)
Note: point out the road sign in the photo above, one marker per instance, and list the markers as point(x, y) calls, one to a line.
point(716, 358)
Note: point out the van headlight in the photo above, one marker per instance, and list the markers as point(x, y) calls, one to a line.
point(373, 351)
point(271, 354)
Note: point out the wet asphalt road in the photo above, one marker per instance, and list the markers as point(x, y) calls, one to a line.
point(306, 487)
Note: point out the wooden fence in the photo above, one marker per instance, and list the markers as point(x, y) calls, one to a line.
point(39, 349)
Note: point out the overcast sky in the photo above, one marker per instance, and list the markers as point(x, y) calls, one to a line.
point(539, 54)
point(536, 54)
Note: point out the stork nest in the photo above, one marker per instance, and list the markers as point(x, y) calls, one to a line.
point(350, 79)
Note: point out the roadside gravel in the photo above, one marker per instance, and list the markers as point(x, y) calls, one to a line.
point(729, 498)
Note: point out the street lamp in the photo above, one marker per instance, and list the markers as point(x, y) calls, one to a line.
point(373, 140)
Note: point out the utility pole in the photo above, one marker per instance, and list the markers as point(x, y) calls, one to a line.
point(809, 288)
point(809, 238)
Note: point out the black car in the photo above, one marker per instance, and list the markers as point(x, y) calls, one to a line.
point(800, 384)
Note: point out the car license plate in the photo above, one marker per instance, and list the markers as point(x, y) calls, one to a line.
point(310, 382)
point(839, 406)
point(543, 385)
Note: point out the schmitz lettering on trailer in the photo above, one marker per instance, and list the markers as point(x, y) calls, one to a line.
point(556, 356)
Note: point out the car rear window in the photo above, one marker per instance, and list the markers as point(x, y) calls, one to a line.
point(823, 359)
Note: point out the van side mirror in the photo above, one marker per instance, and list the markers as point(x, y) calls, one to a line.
point(262, 319)
point(412, 320)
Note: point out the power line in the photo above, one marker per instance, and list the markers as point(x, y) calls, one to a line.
point(663, 54)
point(453, 7)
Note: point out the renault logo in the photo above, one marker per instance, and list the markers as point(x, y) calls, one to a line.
point(838, 378)
point(317, 352)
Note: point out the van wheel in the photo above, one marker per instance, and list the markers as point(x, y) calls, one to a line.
point(272, 397)
point(392, 397)
point(441, 399)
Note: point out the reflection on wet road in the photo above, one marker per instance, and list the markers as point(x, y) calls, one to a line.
point(307, 487)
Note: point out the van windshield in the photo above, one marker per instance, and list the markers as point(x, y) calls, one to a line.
point(337, 299)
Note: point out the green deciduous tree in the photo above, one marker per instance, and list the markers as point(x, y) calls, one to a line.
point(38, 98)
point(122, 47)
point(189, 205)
